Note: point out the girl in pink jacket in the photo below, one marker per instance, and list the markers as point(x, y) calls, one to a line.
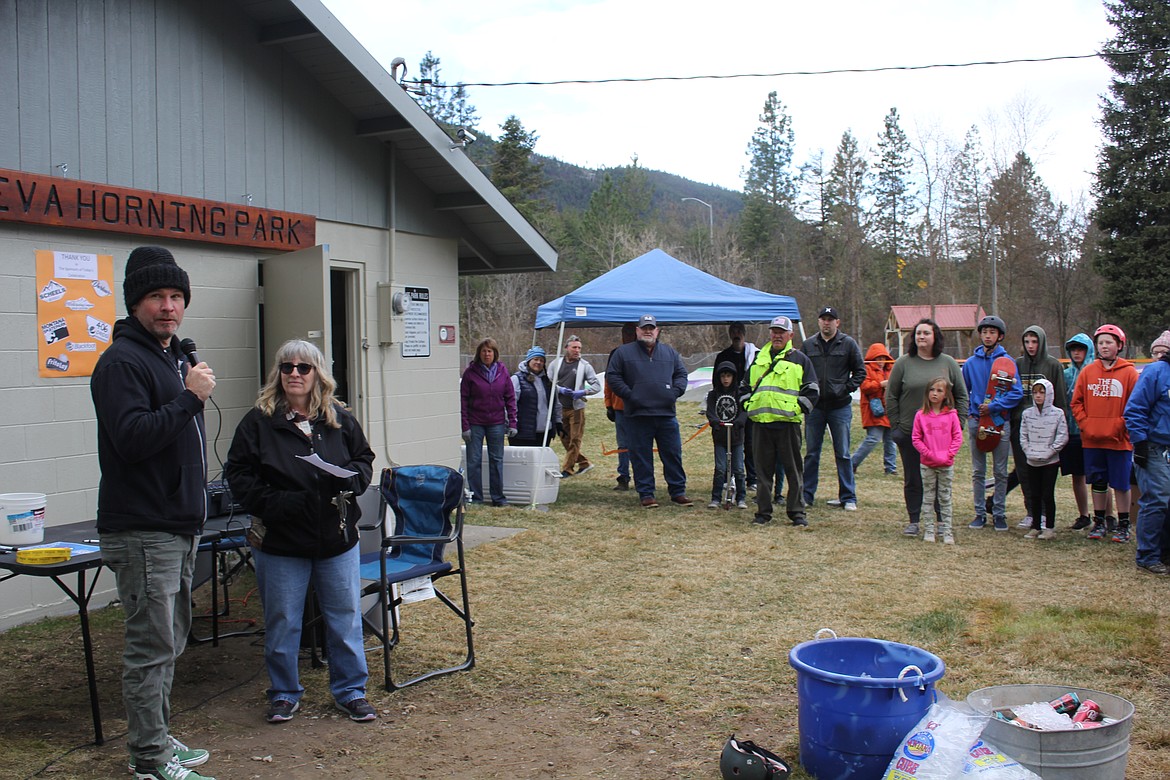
point(938, 437)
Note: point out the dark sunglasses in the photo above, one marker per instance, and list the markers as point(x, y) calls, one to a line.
point(302, 368)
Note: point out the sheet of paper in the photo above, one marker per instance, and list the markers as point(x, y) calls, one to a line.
point(328, 468)
point(417, 589)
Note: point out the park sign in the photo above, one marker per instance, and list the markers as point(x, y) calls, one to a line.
point(47, 200)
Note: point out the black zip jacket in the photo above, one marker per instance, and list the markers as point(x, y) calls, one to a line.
point(839, 366)
point(291, 497)
point(151, 445)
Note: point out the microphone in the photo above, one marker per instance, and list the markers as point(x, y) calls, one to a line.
point(188, 348)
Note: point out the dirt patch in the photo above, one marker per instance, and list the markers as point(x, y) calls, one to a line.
point(432, 730)
point(442, 728)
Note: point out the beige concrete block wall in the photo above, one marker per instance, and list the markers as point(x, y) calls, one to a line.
point(48, 433)
point(412, 404)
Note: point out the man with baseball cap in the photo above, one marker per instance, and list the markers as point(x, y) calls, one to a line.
point(840, 369)
point(152, 497)
point(779, 389)
point(650, 377)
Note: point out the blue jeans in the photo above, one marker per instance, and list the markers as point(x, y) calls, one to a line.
point(619, 425)
point(283, 582)
point(873, 436)
point(642, 433)
point(720, 478)
point(153, 572)
point(999, 461)
point(1154, 480)
point(495, 447)
point(838, 422)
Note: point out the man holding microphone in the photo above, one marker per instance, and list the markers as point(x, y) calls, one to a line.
point(152, 499)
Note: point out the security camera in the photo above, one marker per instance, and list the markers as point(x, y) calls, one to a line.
point(465, 135)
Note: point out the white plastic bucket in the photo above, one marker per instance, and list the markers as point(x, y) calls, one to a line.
point(22, 518)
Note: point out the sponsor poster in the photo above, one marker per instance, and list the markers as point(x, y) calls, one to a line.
point(75, 311)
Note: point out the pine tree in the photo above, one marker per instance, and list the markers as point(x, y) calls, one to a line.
point(769, 194)
point(429, 74)
point(1133, 172)
point(770, 150)
point(846, 230)
point(971, 186)
point(514, 172)
point(447, 104)
point(1021, 212)
point(894, 205)
point(617, 217)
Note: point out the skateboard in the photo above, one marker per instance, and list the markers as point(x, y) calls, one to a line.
point(1003, 376)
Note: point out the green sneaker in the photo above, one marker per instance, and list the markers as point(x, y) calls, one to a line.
point(172, 770)
point(187, 757)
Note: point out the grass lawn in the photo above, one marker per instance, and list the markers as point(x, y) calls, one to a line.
point(636, 641)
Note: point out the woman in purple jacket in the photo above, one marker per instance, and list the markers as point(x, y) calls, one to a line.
point(488, 405)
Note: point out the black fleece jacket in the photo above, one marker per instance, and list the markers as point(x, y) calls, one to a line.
point(292, 497)
point(839, 366)
point(151, 445)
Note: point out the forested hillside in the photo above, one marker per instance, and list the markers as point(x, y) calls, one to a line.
point(883, 219)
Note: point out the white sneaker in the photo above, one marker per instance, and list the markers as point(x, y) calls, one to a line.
point(713, 505)
point(928, 537)
point(850, 506)
point(741, 505)
point(948, 538)
point(833, 502)
point(1025, 523)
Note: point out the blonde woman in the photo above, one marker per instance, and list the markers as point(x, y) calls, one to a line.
point(300, 536)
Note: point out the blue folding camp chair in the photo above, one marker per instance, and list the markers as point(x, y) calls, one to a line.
point(422, 499)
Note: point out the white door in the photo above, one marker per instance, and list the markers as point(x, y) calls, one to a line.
point(296, 301)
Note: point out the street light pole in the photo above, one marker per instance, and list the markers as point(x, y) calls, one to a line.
point(710, 220)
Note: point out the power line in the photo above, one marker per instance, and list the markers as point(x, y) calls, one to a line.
point(779, 74)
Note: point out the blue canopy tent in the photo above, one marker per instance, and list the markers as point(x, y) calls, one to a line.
point(674, 292)
point(671, 290)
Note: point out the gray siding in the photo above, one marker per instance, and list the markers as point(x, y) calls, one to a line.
point(82, 87)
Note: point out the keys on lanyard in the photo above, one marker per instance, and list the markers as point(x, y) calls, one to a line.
point(341, 501)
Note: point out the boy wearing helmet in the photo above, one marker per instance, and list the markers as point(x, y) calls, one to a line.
point(1103, 387)
point(976, 372)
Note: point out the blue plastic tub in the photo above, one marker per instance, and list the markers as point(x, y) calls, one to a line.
point(858, 698)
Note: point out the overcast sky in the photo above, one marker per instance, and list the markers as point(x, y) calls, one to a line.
point(700, 129)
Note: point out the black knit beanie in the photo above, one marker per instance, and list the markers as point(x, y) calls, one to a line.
point(153, 268)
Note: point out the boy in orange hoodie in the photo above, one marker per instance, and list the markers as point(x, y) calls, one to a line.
point(878, 362)
point(1098, 402)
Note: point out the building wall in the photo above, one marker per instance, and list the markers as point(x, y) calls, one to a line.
point(178, 97)
point(412, 403)
point(48, 434)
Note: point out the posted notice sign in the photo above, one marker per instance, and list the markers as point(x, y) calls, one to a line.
point(75, 311)
point(416, 333)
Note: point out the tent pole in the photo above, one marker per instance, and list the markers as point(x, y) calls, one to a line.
point(551, 401)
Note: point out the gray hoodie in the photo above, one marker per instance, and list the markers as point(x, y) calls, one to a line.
point(1043, 431)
